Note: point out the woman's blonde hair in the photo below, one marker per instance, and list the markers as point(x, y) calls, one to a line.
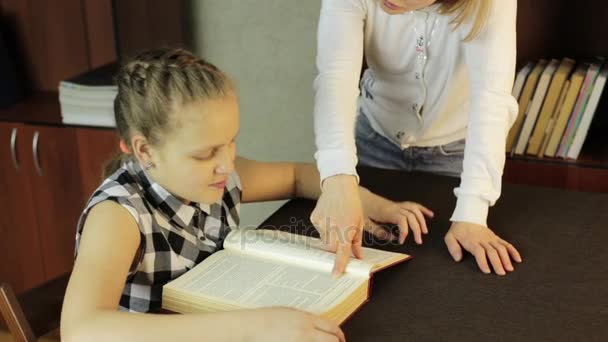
point(153, 85)
point(464, 10)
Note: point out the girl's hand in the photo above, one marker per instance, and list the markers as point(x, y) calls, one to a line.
point(406, 215)
point(285, 324)
point(483, 244)
point(338, 216)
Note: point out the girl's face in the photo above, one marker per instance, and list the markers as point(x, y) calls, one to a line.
point(402, 6)
point(195, 159)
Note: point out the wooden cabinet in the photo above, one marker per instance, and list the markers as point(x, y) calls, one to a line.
point(48, 173)
point(54, 40)
point(20, 241)
point(95, 148)
point(55, 178)
point(44, 182)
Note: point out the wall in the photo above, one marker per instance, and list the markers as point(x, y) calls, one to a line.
point(269, 48)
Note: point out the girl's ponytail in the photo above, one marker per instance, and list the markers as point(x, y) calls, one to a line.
point(113, 164)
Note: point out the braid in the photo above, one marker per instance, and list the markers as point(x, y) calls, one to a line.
point(153, 83)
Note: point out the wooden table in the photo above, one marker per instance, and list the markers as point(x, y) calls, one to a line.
point(559, 293)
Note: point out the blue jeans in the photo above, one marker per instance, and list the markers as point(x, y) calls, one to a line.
point(375, 150)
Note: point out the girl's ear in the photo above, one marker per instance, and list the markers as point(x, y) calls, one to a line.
point(141, 149)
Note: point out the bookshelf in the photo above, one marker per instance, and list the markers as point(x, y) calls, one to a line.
point(557, 29)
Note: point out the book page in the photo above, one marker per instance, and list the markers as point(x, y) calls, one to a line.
point(305, 251)
point(382, 259)
point(242, 280)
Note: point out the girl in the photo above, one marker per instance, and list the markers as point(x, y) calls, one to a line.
point(169, 201)
point(439, 71)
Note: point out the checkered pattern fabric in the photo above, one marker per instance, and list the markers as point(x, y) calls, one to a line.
point(174, 236)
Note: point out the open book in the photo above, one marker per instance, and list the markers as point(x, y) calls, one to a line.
point(263, 268)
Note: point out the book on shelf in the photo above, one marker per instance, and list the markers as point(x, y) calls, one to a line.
point(587, 117)
point(548, 107)
point(100, 98)
point(561, 120)
point(264, 268)
point(535, 106)
point(579, 108)
point(524, 100)
point(553, 119)
point(88, 98)
point(520, 80)
point(99, 79)
point(87, 117)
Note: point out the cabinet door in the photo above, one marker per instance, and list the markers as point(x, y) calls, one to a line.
point(95, 148)
point(20, 249)
point(55, 178)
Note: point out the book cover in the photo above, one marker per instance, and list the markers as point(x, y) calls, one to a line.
point(579, 108)
point(535, 105)
point(524, 101)
point(587, 117)
point(553, 120)
point(576, 82)
point(555, 89)
point(520, 80)
point(102, 76)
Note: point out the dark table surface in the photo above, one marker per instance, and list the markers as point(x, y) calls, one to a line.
point(559, 292)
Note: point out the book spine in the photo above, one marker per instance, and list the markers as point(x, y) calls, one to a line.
point(578, 110)
point(585, 122)
point(532, 115)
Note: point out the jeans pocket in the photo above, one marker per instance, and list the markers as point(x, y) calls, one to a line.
point(453, 149)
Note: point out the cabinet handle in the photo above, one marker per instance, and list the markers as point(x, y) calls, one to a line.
point(35, 150)
point(14, 148)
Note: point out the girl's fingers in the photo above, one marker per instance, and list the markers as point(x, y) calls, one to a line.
point(414, 225)
point(418, 212)
point(494, 258)
point(503, 254)
point(512, 251)
point(357, 245)
point(329, 327)
point(480, 256)
point(328, 242)
point(378, 231)
point(453, 247)
point(322, 336)
point(425, 210)
point(403, 228)
point(343, 253)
